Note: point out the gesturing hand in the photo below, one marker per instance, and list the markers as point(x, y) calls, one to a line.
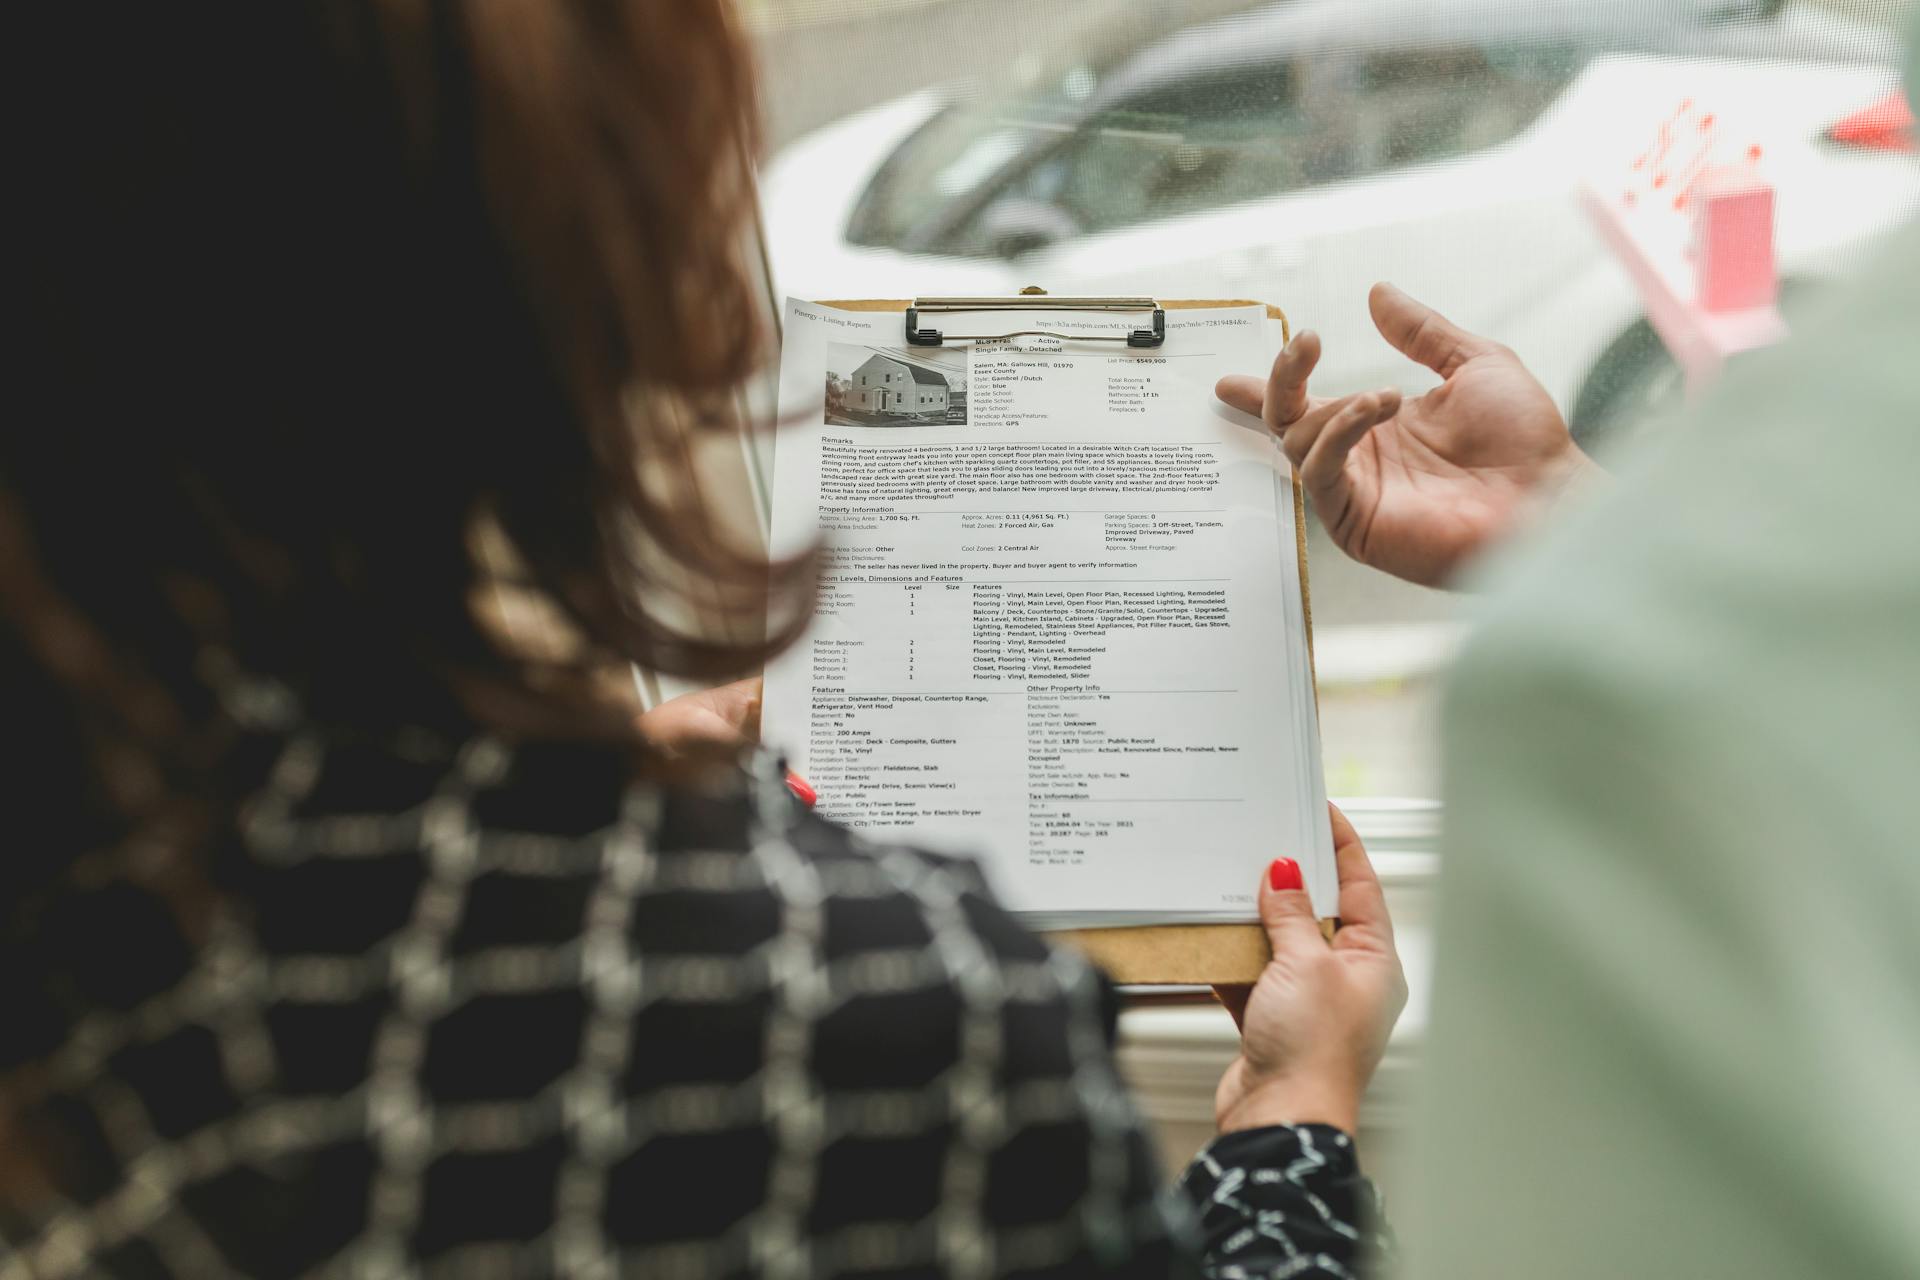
point(1416, 486)
point(1313, 1027)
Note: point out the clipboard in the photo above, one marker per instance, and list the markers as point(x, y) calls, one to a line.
point(1160, 954)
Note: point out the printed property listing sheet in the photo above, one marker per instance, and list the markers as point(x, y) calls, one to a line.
point(1060, 623)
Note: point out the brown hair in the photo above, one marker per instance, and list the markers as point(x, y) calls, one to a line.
point(350, 321)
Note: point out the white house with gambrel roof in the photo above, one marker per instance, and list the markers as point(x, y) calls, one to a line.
point(888, 384)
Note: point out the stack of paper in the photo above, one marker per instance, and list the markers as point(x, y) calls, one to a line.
point(1061, 626)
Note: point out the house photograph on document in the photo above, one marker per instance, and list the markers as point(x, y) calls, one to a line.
point(895, 386)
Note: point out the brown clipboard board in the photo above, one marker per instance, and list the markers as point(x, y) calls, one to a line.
point(1175, 954)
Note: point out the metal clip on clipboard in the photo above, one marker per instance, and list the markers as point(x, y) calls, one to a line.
point(1148, 337)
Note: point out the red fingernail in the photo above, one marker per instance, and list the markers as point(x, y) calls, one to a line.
point(1284, 873)
point(798, 785)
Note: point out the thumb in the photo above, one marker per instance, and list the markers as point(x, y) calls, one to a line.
point(1285, 910)
point(1420, 333)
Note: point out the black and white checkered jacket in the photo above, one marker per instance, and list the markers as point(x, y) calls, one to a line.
point(491, 1011)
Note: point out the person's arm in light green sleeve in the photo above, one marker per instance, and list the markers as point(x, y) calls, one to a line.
point(1625, 1070)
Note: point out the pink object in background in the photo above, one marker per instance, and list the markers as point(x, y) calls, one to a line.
point(1886, 125)
point(1693, 227)
point(1732, 238)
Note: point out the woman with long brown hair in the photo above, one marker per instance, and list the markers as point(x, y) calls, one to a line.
point(348, 922)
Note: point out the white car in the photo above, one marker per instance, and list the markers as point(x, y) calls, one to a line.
point(1297, 152)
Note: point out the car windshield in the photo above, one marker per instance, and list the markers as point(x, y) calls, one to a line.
point(961, 149)
point(1083, 150)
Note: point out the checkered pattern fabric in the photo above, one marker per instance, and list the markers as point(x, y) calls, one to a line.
point(492, 1011)
point(1287, 1202)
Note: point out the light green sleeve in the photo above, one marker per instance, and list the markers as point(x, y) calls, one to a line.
point(1669, 1037)
point(1676, 1020)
